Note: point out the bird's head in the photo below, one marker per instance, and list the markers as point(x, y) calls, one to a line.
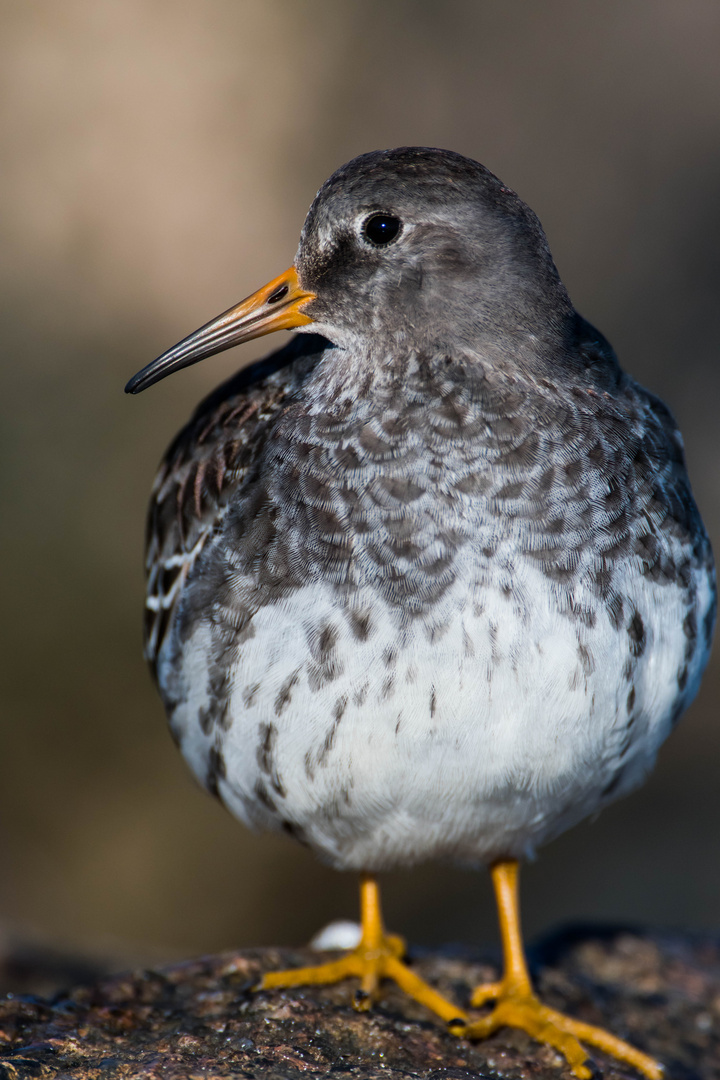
point(412, 248)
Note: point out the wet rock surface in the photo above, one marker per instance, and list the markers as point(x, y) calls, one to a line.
point(201, 1021)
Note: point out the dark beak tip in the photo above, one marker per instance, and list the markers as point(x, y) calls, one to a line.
point(131, 386)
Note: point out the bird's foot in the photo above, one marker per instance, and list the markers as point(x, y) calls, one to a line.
point(370, 962)
point(518, 1007)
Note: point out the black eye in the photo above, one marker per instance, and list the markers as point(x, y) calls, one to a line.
point(382, 228)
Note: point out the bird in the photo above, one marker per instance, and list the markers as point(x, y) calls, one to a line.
point(429, 582)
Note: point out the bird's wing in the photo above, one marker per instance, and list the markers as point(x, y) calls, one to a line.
point(204, 467)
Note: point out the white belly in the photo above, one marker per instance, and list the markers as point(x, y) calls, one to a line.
point(474, 737)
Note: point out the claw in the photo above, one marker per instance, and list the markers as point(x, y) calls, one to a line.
point(485, 992)
point(457, 1026)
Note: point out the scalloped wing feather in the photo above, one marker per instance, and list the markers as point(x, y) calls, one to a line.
point(204, 468)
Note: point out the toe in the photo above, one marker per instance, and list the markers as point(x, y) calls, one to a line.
point(323, 974)
point(422, 992)
point(612, 1046)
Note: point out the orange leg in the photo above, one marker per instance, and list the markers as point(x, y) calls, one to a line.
point(517, 1006)
point(378, 956)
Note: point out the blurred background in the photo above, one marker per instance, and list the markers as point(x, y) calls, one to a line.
point(158, 159)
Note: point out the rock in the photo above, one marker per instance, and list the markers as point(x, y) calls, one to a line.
point(201, 1021)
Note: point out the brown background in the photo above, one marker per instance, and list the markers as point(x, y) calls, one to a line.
point(157, 160)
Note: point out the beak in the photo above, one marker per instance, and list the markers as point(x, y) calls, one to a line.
point(277, 306)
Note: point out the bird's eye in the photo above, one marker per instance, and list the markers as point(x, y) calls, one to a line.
point(382, 229)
